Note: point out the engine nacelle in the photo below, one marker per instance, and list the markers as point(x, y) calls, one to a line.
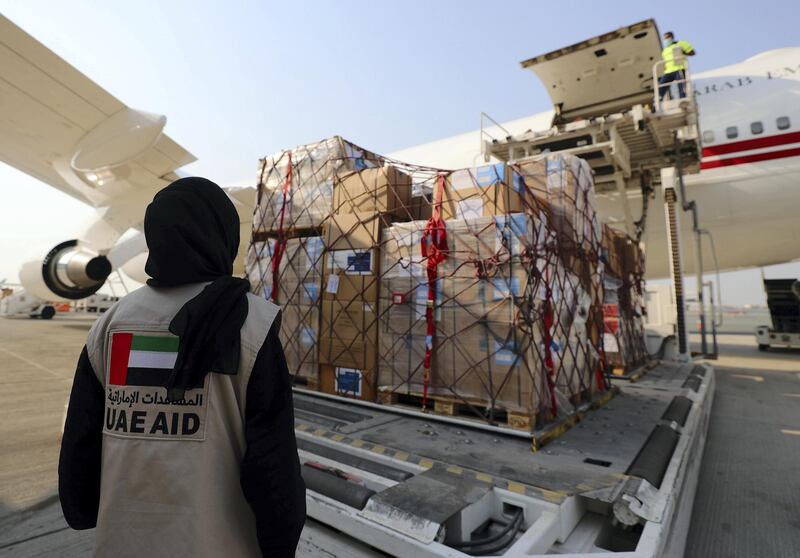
point(68, 271)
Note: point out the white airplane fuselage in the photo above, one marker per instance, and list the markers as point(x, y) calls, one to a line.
point(748, 189)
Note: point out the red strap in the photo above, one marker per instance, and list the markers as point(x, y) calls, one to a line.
point(434, 249)
point(280, 243)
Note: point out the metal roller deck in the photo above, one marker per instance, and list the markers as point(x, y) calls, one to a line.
point(621, 480)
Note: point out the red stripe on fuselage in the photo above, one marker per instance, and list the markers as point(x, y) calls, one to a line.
point(120, 351)
point(754, 158)
point(750, 144)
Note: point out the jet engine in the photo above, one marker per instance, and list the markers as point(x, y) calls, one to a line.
point(69, 271)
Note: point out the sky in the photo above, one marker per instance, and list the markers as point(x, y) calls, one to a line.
point(238, 80)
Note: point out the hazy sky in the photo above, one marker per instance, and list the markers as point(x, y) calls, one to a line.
point(238, 80)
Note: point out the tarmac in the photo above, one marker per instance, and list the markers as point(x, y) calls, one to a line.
point(747, 503)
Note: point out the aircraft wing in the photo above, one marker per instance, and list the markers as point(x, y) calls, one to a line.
point(59, 126)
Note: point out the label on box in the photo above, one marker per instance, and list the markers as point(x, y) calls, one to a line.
point(308, 336)
point(512, 232)
point(505, 287)
point(610, 344)
point(469, 209)
point(506, 354)
point(359, 262)
point(313, 247)
point(352, 262)
point(348, 381)
point(490, 174)
point(461, 180)
point(311, 291)
point(333, 284)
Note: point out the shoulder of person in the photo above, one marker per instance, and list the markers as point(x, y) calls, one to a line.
point(262, 308)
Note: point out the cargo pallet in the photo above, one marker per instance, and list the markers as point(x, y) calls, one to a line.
point(420, 484)
point(478, 410)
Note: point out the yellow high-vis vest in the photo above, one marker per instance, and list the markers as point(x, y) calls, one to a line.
point(668, 55)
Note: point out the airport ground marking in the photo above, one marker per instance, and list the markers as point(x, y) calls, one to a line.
point(791, 432)
point(34, 364)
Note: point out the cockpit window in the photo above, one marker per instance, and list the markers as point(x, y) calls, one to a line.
point(708, 136)
point(756, 128)
point(731, 132)
point(783, 122)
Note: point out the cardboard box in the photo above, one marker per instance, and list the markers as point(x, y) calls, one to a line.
point(481, 192)
point(349, 336)
point(384, 190)
point(420, 208)
point(491, 362)
point(300, 339)
point(308, 201)
point(299, 272)
point(564, 184)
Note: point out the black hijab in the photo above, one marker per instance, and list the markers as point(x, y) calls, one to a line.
point(192, 233)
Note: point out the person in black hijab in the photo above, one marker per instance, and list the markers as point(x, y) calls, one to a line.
point(192, 233)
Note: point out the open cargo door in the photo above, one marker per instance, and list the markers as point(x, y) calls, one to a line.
point(606, 74)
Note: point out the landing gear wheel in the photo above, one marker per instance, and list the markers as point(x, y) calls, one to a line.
point(762, 347)
point(47, 313)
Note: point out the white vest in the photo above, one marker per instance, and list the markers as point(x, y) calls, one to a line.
point(170, 471)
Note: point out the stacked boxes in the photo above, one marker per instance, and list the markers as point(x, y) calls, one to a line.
point(364, 203)
point(623, 304)
point(296, 186)
point(517, 317)
point(298, 294)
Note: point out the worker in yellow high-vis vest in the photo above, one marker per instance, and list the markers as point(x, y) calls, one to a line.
point(674, 64)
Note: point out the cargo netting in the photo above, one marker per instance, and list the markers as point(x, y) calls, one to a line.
point(624, 307)
point(476, 291)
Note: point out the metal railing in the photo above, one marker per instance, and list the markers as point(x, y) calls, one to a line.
point(484, 134)
point(658, 72)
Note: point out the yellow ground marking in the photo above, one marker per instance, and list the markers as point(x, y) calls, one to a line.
point(337, 437)
point(791, 394)
point(483, 477)
point(401, 455)
point(427, 463)
point(791, 432)
point(378, 449)
point(749, 377)
point(455, 469)
point(319, 432)
point(357, 443)
point(303, 427)
point(516, 487)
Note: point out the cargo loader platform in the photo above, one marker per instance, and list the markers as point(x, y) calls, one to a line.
point(407, 484)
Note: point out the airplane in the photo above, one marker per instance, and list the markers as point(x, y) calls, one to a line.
point(60, 127)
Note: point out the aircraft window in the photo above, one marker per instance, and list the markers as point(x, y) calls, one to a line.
point(731, 132)
point(756, 128)
point(708, 136)
point(783, 122)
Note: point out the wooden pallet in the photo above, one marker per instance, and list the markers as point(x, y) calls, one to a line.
point(466, 409)
point(469, 408)
point(289, 232)
point(305, 381)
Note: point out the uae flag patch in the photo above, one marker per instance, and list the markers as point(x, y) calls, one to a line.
point(141, 360)
point(136, 399)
